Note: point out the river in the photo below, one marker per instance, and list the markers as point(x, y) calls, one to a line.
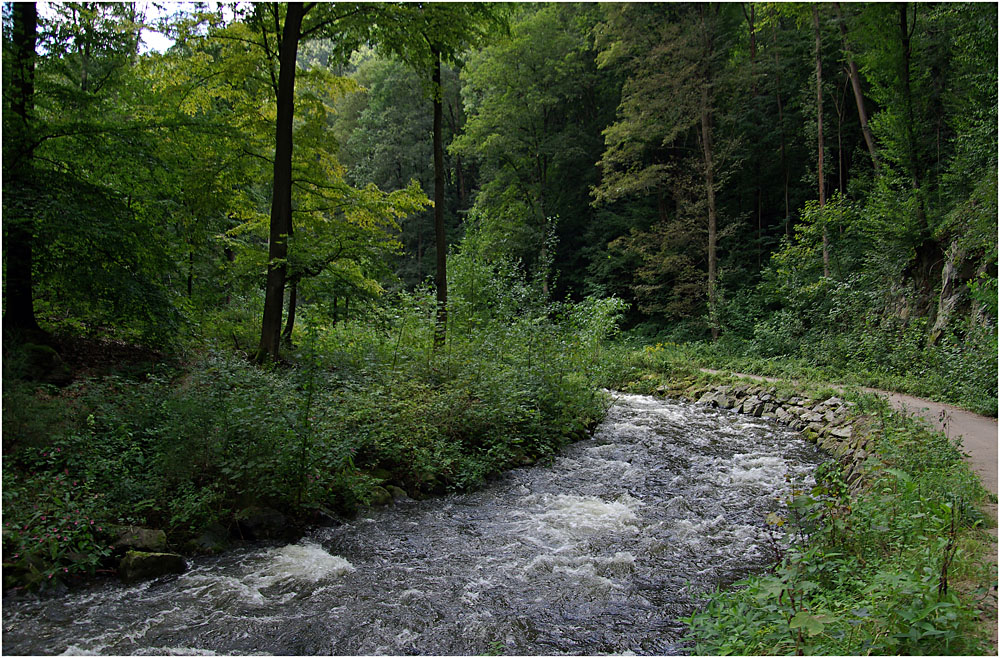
point(600, 551)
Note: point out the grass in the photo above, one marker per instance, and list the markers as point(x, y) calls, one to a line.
point(942, 381)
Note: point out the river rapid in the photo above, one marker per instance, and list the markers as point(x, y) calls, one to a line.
point(599, 552)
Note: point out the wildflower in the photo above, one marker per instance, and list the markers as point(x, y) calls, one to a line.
point(65, 570)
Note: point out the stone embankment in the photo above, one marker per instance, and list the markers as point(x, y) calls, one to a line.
point(831, 423)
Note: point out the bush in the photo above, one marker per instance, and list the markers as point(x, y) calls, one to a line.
point(361, 403)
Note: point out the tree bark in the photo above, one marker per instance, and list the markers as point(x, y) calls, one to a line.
point(781, 124)
point(706, 141)
point(441, 274)
point(19, 303)
point(819, 134)
point(281, 198)
point(852, 70)
point(286, 334)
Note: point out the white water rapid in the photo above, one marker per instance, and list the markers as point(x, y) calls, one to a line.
point(600, 552)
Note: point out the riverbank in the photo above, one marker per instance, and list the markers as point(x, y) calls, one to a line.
point(211, 447)
point(894, 560)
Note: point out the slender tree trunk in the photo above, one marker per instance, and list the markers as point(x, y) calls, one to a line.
point(441, 274)
point(460, 179)
point(819, 136)
point(852, 69)
point(781, 123)
point(231, 258)
point(911, 147)
point(281, 199)
point(706, 141)
point(928, 254)
point(286, 334)
point(18, 291)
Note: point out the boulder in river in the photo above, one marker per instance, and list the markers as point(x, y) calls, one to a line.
point(397, 493)
point(380, 497)
point(263, 523)
point(139, 565)
point(141, 539)
point(213, 539)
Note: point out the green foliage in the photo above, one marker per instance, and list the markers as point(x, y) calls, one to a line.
point(872, 573)
point(536, 103)
point(364, 402)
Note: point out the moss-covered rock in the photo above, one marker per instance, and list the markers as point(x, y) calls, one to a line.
point(139, 565)
point(380, 497)
point(141, 539)
point(43, 364)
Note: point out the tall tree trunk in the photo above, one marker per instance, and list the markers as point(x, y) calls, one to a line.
point(781, 123)
point(706, 141)
point(281, 198)
point(819, 136)
point(928, 254)
point(441, 274)
point(19, 304)
point(293, 289)
point(852, 69)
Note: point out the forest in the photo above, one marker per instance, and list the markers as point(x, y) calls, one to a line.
point(299, 255)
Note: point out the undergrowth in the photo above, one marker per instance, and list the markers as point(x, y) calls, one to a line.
point(358, 404)
point(960, 369)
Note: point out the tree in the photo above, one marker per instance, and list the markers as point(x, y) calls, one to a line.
point(281, 195)
point(19, 307)
point(819, 133)
point(76, 174)
point(351, 25)
point(424, 36)
point(673, 57)
point(536, 106)
point(852, 69)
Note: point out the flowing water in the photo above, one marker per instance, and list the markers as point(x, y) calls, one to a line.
point(600, 552)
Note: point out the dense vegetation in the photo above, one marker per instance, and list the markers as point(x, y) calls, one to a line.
point(302, 251)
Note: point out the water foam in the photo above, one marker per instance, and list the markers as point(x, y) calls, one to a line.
point(580, 517)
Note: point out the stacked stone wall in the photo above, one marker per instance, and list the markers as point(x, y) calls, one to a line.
point(831, 423)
